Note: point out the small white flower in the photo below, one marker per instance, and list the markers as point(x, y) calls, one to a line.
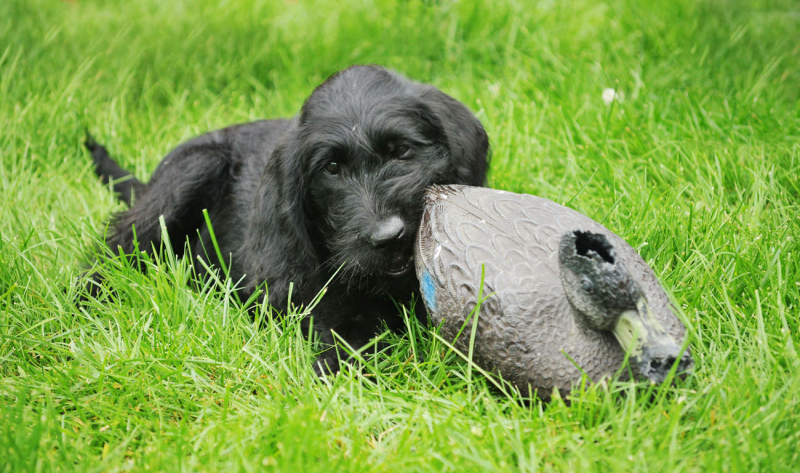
point(609, 95)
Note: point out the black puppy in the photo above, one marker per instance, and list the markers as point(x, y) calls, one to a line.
point(337, 188)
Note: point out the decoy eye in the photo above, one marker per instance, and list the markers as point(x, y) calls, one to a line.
point(586, 284)
point(332, 168)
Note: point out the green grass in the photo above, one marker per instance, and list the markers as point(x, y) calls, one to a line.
point(698, 168)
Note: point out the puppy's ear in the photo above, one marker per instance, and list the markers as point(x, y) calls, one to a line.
point(468, 142)
point(277, 247)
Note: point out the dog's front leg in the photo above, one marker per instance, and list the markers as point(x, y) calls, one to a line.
point(356, 330)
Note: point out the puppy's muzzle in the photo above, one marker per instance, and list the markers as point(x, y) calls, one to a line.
point(387, 231)
point(389, 234)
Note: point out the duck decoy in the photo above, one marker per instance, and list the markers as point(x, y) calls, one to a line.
point(562, 295)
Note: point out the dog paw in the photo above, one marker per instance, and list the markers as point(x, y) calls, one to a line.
point(90, 287)
point(327, 363)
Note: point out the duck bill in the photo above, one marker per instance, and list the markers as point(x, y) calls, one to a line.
point(652, 351)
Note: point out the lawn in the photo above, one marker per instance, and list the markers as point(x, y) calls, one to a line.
point(697, 165)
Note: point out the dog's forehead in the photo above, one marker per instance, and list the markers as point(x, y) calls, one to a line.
point(362, 119)
point(363, 81)
point(362, 108)
point(360, 94)
point(368, 134)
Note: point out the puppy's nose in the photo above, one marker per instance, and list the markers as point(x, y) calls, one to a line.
point(387, 231)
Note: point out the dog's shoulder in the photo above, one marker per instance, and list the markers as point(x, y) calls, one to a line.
point(259, 130)
point(254, 140)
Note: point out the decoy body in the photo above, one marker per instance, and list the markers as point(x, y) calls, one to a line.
point(565, 294)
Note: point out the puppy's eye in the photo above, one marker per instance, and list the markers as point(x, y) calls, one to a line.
point(398, 151)
point(401, 151)
point(332, 168)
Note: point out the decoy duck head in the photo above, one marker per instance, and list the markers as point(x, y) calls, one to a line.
point(606, 297)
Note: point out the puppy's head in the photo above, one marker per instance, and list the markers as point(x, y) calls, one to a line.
point(367, 144)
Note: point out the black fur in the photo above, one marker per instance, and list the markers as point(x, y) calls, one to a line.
point(282, 213)
point(125, 185)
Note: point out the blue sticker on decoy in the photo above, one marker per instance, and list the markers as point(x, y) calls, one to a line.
point(428, 290)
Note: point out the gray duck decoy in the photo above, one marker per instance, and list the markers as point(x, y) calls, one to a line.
point(567, 294)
